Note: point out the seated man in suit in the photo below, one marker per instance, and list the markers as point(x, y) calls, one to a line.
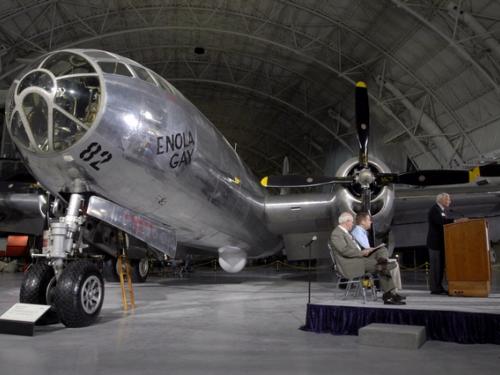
point(360, 234)
point(355, 262)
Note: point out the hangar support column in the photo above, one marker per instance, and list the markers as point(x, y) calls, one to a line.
point(444, 145)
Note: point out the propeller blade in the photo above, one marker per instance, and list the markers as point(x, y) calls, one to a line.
point(302, 181)
point(489, 170)
point(362, 121)
point(430, 177)
point(439, 176)
point(366, 199)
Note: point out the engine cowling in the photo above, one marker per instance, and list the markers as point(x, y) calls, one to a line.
point(382, 198)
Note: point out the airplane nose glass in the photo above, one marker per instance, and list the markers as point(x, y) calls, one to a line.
point(36, 79)
point(79, 97)
point(35, 110)
point(54, 104)
point(18, 131)
point(66, 63)
point(66, 131)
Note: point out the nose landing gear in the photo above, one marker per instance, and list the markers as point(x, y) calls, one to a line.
point(73, 286)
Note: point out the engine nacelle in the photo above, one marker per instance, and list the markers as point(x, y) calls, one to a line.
point(232, 259)
point(382, 202)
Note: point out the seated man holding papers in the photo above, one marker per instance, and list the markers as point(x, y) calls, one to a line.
point(360, 234)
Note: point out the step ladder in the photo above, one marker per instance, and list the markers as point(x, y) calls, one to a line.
point(124, 272)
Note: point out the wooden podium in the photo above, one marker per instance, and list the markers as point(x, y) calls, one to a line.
point(468, 258)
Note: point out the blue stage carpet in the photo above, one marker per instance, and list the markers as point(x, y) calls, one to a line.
point(453, 324)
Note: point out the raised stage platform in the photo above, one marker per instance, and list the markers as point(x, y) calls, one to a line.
point(464, 320)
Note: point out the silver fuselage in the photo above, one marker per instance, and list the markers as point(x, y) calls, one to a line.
point(168, 163)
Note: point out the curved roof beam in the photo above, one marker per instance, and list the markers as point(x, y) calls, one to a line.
point(321, 107)
point(386, 109)
point(460, 50)
point(261, 155)
point(271, 97)
point(390, 56)
point(24, 9)
point(476, 27)
point(444, 145)
point(327, 106)
point(279, 138)
point(294, 32)
point(299, 52)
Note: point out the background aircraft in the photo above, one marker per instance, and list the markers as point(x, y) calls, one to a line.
point(125, 152)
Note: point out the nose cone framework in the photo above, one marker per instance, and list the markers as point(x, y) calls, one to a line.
point(55, 103)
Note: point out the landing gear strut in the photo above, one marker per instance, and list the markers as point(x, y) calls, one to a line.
point(74, 287)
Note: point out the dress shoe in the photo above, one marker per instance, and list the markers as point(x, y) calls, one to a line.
point(393, 300)
point(399, 297)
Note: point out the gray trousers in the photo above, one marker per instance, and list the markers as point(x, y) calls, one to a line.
point(386, 282)
point(436, 270)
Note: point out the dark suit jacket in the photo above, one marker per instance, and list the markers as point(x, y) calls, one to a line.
point(435, 234)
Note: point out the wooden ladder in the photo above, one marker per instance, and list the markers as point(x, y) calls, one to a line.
point(125, 282)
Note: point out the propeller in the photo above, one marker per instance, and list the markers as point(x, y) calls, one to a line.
point(367, 178)
point(362, 121)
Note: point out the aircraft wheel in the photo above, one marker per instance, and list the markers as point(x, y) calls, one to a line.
point(79, 294)
point(140, 270)
point(38, 287)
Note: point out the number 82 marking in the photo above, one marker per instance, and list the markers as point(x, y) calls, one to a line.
point(93, 155)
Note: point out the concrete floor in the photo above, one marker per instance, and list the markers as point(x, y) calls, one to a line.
point(216, 323)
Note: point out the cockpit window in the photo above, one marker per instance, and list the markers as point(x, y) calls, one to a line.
point(143, 74)
point(164, 85)
point(96, 54)
point(79, 96)
point(65, 63)
point(52, 114)
point(38, 79)
point(114, 68)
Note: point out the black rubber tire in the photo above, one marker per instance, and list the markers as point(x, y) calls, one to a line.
point(110, 274)
point(68, 294)
point(34, 290)
point(137, 275)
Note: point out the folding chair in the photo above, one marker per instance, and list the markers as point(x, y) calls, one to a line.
point(358, 284)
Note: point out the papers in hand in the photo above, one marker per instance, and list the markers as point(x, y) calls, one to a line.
point(372, 249)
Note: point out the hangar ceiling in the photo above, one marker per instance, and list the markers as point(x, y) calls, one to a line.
point(277, 76)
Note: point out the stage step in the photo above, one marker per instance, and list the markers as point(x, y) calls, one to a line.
point(392, 335)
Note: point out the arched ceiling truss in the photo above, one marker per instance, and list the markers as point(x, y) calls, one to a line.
point(433, 76)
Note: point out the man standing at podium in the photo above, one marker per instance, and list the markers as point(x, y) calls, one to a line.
point(435, 242)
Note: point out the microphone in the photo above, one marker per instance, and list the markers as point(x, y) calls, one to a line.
point(314, 238)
